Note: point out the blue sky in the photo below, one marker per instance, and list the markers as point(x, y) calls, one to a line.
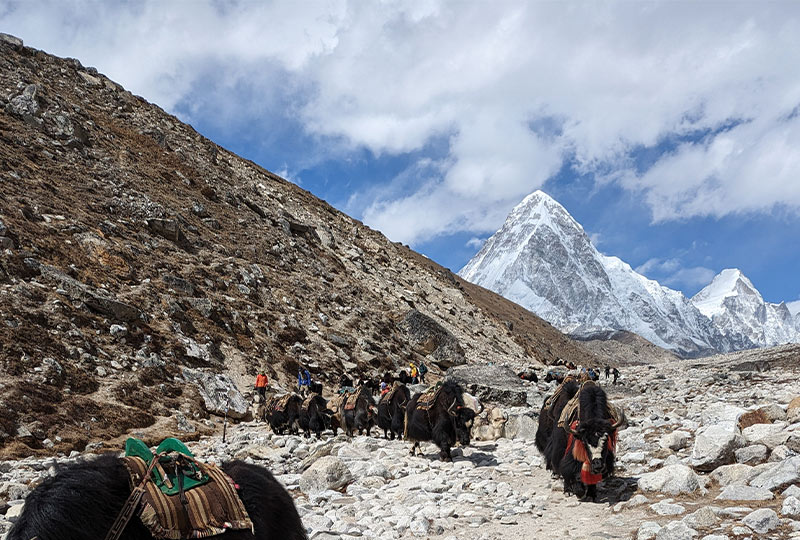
point(669, 130)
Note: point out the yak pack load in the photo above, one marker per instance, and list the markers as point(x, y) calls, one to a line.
point(177, 496)
point(279, 403)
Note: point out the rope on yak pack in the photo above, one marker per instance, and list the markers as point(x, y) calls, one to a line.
point(130, 506)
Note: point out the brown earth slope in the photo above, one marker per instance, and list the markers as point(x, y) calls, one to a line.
point(131, 247)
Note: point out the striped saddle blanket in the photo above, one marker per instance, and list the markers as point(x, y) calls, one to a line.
point(279, 404)
point(206, 510)
point(426, 400)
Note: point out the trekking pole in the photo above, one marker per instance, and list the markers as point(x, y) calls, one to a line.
point(225, 422)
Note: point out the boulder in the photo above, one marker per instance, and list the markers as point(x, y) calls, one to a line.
point(791, 507)
point(13, 41)
point(704, 518)
point(751, 455)
point(793, 411)
point(327, 473)
point(723, 414)
point(779, 475)
point(25, 105)
point(762, 520)
point(736, 474)
point(744, 493)
point(219, 393)
point(648, 530)
point(715, 445)
point(676, 530)
point(675, 440)
point(672, 479)
point(493, 384)
point(429, 338)
point(521, 425)
point(770, 435)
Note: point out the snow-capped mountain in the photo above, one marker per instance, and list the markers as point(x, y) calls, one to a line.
point(736, 307)
point(542, 259)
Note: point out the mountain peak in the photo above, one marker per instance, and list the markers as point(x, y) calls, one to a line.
point(729, 282)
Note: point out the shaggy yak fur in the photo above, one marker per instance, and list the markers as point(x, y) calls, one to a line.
point(82, 501)
point(392, 413)
point(446, 422)
point(315, 417)
point(548, 418)
point(361, 418)
point(288, 418)
point(593, 442)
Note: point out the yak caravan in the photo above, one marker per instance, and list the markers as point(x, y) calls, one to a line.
point(193, 346)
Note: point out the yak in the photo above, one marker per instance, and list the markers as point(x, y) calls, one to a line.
point(392, 411)
point(314, 415)
point(549, 415)
point(445, 422)
point(583, 451)
point(361, 417)
point(83, 499)
point(288, 418)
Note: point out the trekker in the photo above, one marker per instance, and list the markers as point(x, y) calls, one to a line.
point(608, 372)
point(261, 384)
point(423, 369)
point(303, 381)
point(615, 372)
point(384, 388)
point(414, 373)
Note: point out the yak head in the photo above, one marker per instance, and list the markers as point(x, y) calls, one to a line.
point(463, 418)
point(598, 438)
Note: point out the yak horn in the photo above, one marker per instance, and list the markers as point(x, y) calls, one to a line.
point(623, 420)
point(451, 407)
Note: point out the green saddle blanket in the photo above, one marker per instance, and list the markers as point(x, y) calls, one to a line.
point(170, 473)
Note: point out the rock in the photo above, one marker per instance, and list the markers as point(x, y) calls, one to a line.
point(521, 426)
point(118, 331)
point(738, 474)
point(793, 411)
point(704, 518)
point(665, 508)
point(13, 41)
point(219, 393)
point(792, 491)
point(675, 440)
point(773, 412)
point(676, 530)
point(647, 530)
point(13, 513)
point(183, 423)
point(167, 228)
point(751, 418)
point(494, 384)
point(672, 479)
point(780, 453)
point(25, 105)
point(751, 455)
point(327, 473)
point(762, 520)
point(430, 338)
point(770, 435)
point(722, 414)
point(791, 507)
point(714, 446)
point(6, 243)
point(779, 475)
point(744, 493)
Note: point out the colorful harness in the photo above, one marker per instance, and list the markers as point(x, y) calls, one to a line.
point(580, 454)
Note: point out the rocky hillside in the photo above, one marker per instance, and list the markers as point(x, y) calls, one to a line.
point(146, 273)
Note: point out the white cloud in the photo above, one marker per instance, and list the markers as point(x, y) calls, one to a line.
point(475, 242)
point(688, 278)
point(656, 265)
point(594, 80)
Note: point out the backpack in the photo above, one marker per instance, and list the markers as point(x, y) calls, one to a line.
point(423, 369)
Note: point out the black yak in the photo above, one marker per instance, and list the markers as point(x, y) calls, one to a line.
point(549, 415)
point(445, 422)
point(83, 499)
point(392, 411)
point(314, 415)
point(358, 413)
point(583, 446)
point(283, 413)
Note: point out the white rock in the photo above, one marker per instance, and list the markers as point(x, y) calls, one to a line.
point(714, 446)
point(647, 530)
point(327, 473)
point(744, 493)
point(703, 518)
point(762, 520)
point(770, 435)
point(791, 507)
point(778, 475)
point(735, 474)
point(673, 480)
point(676, 530)
point(751, 455)
point(675, 440)
point(665, 508)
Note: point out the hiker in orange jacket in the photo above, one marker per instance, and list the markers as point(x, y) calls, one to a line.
point(261, 384)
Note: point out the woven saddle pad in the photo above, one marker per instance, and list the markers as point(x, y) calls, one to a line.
point(280, 403)
point(426, 400)
point(210, 509)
